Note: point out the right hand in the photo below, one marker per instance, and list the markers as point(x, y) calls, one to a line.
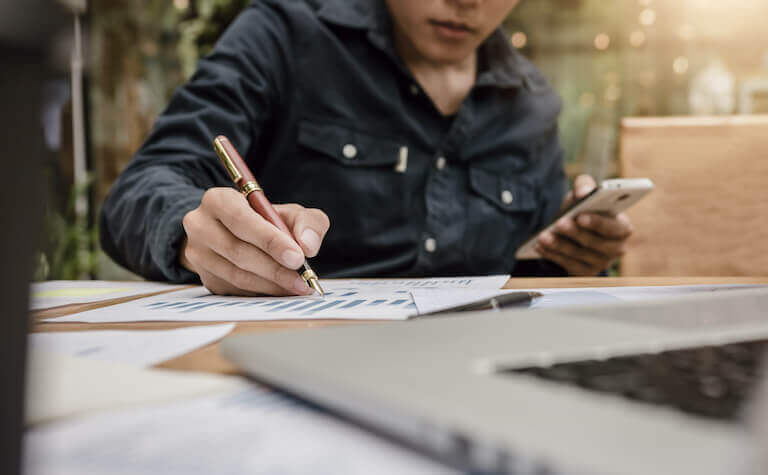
point(237, 252)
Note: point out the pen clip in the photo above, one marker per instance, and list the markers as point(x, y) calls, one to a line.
point(221, 151)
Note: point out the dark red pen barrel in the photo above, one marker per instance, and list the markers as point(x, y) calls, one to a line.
point(247, 183)
point(261, 204)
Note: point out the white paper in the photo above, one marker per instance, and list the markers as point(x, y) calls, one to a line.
point(345, 299)
point(66, 292)
point(599, 295)
point(477, 282)
point(60, 386)
point(250, 431)
point(428, 300)
point(431, 300)
point(135, 347)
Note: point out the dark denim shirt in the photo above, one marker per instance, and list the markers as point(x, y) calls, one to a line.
point(316, 99)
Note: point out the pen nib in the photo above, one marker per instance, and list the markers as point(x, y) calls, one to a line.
point(316, 286)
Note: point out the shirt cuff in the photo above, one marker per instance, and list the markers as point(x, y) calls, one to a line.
point(167, 239)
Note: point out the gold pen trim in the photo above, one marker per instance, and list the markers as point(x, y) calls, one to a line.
point(311, 279)
point(249, 188)
point(234, 173)
point(315, 285)
point(308, 274)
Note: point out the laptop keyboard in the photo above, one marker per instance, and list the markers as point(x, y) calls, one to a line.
point(711, 381)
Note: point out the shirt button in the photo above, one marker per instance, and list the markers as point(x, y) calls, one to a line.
point(430, 245)
point(440, 164)
point(414, 89)
point(507, 197)
point(349, 151)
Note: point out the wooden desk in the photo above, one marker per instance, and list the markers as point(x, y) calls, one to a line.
point(208, 358)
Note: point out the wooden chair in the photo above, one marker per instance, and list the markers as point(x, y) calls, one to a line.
point(708, 215)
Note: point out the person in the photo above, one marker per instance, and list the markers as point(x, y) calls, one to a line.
point(408, 138)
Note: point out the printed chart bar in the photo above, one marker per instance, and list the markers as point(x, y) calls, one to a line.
point(321, 308)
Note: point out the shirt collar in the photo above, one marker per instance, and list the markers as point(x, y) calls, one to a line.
point(500, 63)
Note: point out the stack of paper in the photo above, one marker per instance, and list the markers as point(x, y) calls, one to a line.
point(246, 431)
point(60, 386)
point(134, 347)
point(345, 298)
point(66, 292)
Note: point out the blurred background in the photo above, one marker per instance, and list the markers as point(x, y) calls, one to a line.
point(607, 59)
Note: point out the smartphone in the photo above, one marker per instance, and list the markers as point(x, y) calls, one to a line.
point(610, 198)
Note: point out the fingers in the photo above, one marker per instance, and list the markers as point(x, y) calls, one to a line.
point(583, 185)
point(610, 227)
point(308, 225)
point(251, 260)
point(236, 251)
point(221, 276)
point(229, 207)
point(220, 286)
point(566, 247)
point(573, 266)
point(587, 245)
point(589, 239)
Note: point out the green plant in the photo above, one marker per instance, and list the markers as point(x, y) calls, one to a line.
point(68, 250)
point(201, 26)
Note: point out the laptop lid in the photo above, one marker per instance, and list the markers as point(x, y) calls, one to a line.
point(443, 384)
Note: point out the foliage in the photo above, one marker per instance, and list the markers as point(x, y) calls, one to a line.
point(139, 52)
point(201, 26)
point(68, 249)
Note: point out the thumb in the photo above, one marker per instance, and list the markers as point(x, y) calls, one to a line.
point(308, 225)
point(583, 185)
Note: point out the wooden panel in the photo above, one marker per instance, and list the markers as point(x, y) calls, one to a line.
point(709, 212)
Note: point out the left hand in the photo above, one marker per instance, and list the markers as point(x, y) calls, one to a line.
point(588, 244)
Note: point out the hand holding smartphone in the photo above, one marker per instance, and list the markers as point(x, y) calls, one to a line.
point(610, 198)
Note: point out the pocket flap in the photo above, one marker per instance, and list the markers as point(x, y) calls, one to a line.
point(349, 147)
point(508, 193)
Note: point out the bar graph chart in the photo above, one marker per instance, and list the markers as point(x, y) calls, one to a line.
point(347, 305)
point(358, 299)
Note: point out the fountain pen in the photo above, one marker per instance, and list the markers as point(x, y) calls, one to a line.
point(250, 188)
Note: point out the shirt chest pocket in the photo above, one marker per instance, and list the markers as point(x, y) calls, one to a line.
point(356, 178)
point(501, 212)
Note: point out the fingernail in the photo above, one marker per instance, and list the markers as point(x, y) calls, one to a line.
point(311, 240)
point(292, 259)
point(564, 224)
point(301, 286)
point(583, 190)
point(584, 220)
point(546, 238)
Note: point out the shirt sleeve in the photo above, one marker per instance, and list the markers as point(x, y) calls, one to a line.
point(233, 92)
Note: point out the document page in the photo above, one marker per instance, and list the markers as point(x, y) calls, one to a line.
point(598, 295)
point(61, 386)
point(54, 293)
point(433, 300)
point(249, 431)
point(135, 347)
point(373, 299)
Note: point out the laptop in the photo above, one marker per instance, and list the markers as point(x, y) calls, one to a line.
point(632, 388)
